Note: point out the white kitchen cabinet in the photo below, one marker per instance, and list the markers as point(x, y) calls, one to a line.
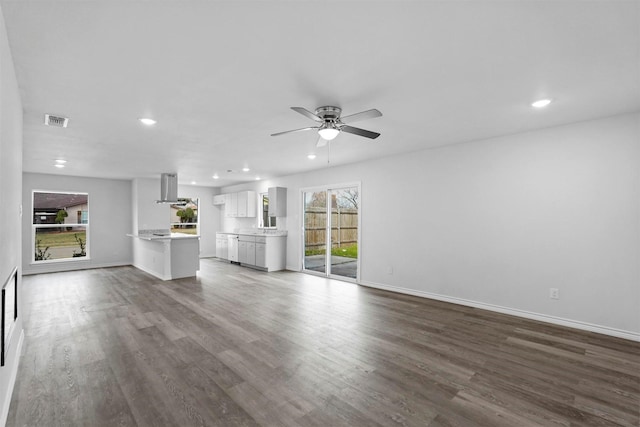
point(261, 255)
point(263, 252)
point(222, 246)
point(251, 253)
point(275, 252)
point(231, 207)
point(247, 250)
point(240, 205)
point(277, 201)
point(242, 252)
point(219, 199)
point(247, 204)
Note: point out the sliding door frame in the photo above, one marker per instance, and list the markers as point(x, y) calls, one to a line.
point(327, 189)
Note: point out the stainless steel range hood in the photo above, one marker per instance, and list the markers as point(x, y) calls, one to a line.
point(168, 188)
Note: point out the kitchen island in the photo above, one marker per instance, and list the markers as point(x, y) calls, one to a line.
point(166, 255)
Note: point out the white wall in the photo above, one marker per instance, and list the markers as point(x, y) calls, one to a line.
point(10, 185)
point(496, 223)
point(109, 220)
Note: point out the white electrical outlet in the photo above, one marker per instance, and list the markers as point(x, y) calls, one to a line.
point(390, 270)
point(554, 293)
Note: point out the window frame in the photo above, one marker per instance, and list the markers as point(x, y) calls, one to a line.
point(264, 212)
point(196, 223)
point(35, 227)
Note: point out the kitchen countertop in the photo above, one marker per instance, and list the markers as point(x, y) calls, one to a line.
point(164, 237)
point(267, 233)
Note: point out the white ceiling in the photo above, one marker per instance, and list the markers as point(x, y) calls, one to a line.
point(220, 76)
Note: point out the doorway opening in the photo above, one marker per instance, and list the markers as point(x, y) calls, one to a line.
point(332, 232)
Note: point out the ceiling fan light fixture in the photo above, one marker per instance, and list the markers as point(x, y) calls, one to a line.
point(147, 121)
point(541, 103)
point(328, 131)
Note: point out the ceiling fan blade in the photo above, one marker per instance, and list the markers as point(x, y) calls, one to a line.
point(359, 132)
point(295, 130)
point(369, 114)
point(308, 114)
point(321, 142)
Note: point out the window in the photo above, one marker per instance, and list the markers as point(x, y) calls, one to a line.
point(184, 216)
point(60, 226)
point(266, 221)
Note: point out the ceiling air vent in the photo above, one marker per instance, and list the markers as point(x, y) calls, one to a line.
point(56, 121)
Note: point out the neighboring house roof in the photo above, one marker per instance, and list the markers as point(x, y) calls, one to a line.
point(57, 200)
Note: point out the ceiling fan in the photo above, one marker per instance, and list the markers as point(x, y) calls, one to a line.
point(330, 123)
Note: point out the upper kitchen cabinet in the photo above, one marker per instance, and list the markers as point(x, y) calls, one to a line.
point(231, 205)
point(278, 201)
point(240, 205)
point(246, 204)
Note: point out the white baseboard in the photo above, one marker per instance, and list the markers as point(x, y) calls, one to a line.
point(12, 382)
point(576, 324)
point(60, 267)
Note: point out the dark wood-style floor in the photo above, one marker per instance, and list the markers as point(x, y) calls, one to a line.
point(240, 347)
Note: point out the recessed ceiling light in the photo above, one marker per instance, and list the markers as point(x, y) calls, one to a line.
point(215, 176)
point(311, 156)
point(245, 169)
point(59, 165)
point(61, 161)
point(193, 183)
point(147, 121)
point(257, 178)
point(541, 103)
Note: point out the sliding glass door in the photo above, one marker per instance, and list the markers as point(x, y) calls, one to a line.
point(331, 232)
point(315, 231)
point(343, 224)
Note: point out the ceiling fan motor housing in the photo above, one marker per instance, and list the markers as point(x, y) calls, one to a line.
point(329, 113)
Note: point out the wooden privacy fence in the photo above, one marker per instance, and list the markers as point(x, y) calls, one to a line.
point(344, 227)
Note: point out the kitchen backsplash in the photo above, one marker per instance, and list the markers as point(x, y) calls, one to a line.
point(233, 225)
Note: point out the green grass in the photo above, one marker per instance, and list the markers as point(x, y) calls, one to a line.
point(346, 251)
point(184, 230)
point(350, 251)
point(310, 252)
point(60, 238)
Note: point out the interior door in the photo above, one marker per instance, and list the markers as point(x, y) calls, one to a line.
point(331, 232)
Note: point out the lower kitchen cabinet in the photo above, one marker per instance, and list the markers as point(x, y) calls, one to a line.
point(222, 246)
point(261, 255)
point(263, 252)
